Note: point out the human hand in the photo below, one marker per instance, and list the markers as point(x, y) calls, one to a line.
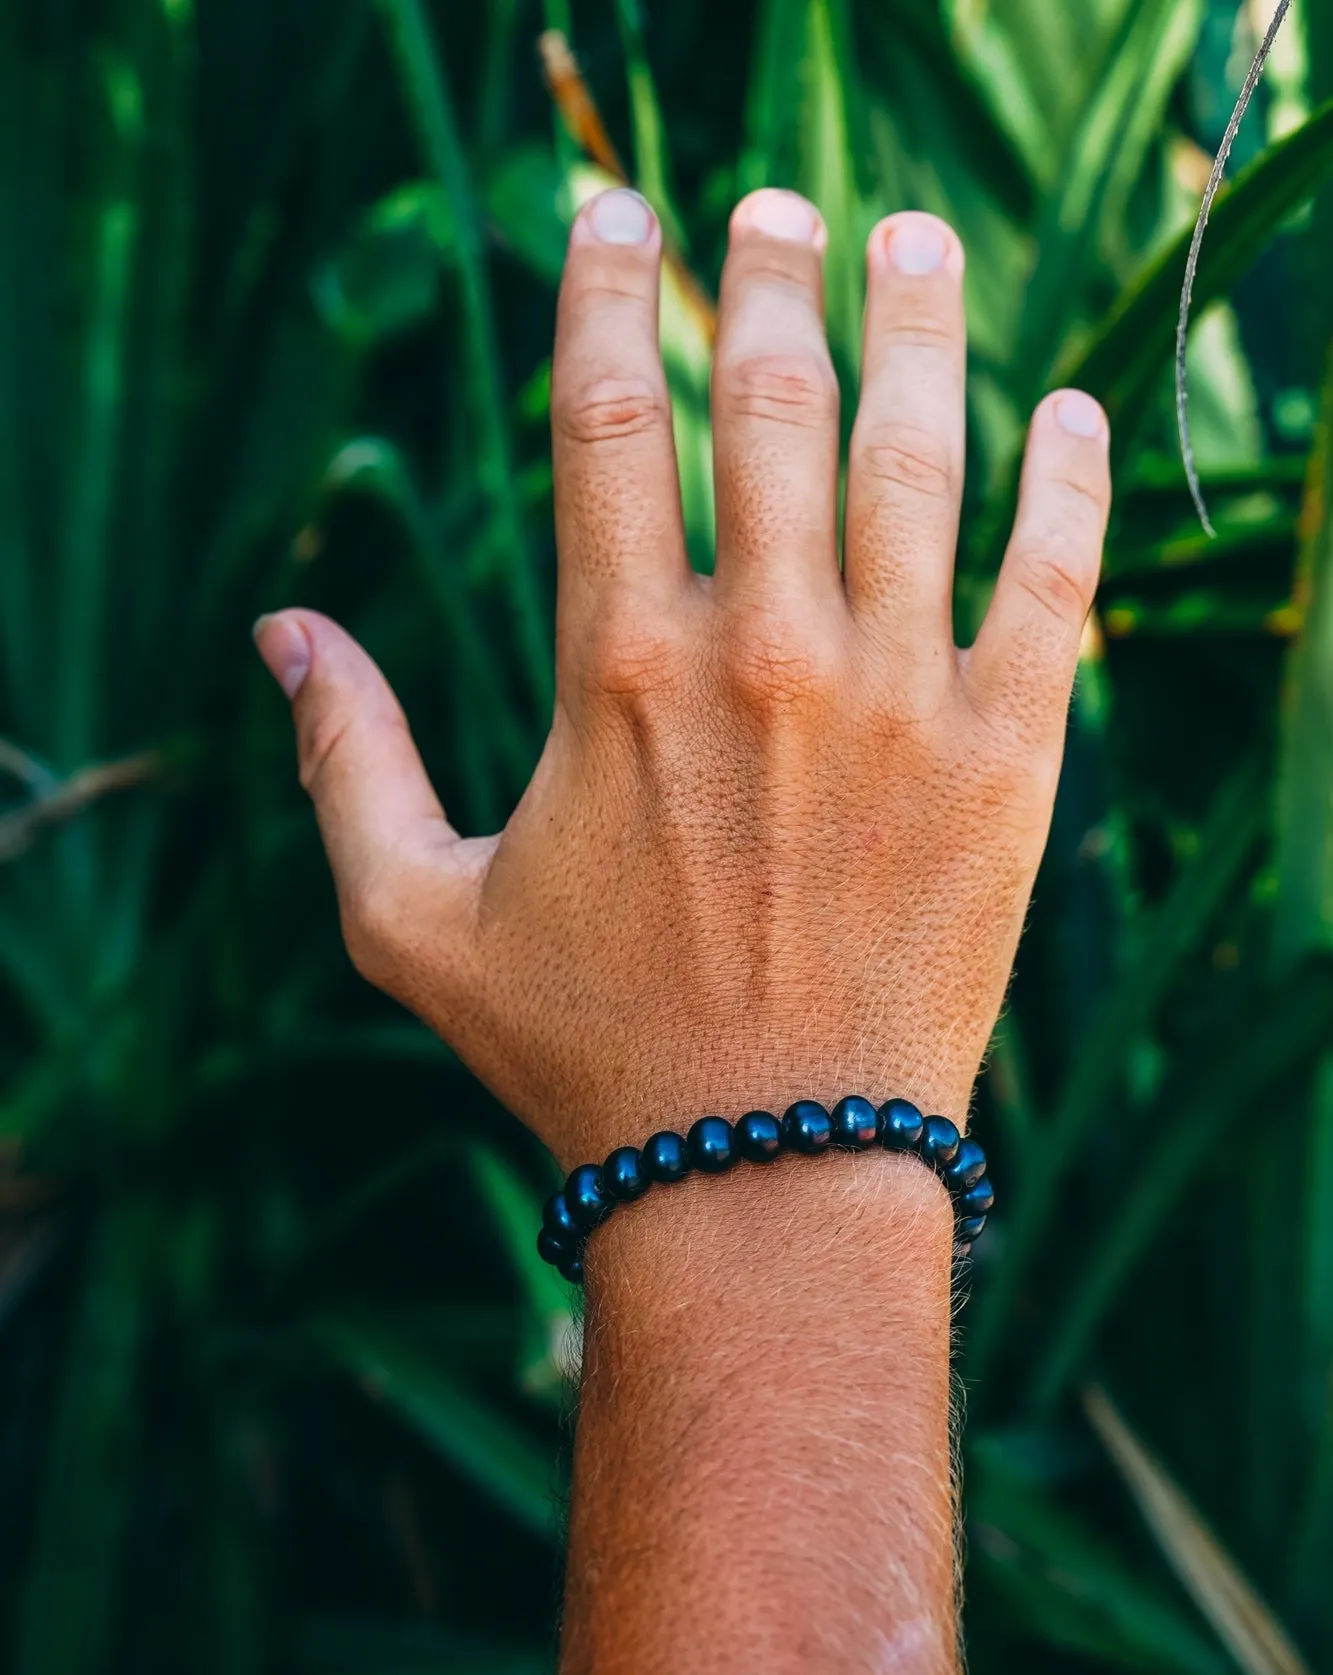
point(783, 834)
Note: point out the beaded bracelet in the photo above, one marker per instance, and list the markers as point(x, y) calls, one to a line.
point(713, 1145)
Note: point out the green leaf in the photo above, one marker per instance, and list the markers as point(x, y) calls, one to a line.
point(68, 1616)
point(1303, 921)
point(1240, 1618)
point(470, 1433)
point(1119, 123)
point(1130, 353)
point(551, 1341)
point(1066, 1581)
point(387, 279)
point(1225, 847)
point(1283, 1031)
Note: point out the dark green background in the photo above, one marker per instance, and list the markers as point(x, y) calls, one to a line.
point(280, 1376)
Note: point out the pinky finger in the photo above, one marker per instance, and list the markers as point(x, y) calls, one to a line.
point(1025, 656)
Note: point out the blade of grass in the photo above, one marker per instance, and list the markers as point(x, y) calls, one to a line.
point(1241, 1620)
point(1191, 1116)
point(1061, 1578)
point(768, 155)
point(1225, 847)
point(67, 1618)
point(1303, 921)
point(551, 1340)
point(1120, 122)
point(651, 161)
point(465, 1430)
point(1192, 261)
point(84, 562)
point(1128, 354)
point(426, 92)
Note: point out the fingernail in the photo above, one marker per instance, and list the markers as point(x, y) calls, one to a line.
point(1080, 415)
point(285, 648)
point(917, 245)
point(621, 217)
point(784, 215)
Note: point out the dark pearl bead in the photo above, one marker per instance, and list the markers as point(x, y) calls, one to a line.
point(556, 1217)
point(977, 1200)
point(623, 1176)
point(968, 1166)
point(758, 1136)
point(553, 1249)
point(970, 1228)
point(855, 1123)
point(572, 1270)
point(901, 1125)
point(709, 1145)
point(665, 1158)
point(940, 1141)
point(589, 1201)
point(806, 1126)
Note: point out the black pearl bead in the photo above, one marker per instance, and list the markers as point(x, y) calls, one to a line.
point(970, 1228)
point(901, 1125)
point(855, 1123)
point(572, 1270)
point(940, 1141)
point(709, 1145)
point(665, 1158)
point(556, 1217)
point(806, 1127)
point(623, 1175)
point(589, 1201)
point(977, 1200)
point(553, 1249)
point(968, 1166)
point(758, 1136)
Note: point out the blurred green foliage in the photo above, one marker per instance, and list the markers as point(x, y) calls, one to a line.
point(280, 1376)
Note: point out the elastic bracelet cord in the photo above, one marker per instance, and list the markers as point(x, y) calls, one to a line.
point(713, 1145)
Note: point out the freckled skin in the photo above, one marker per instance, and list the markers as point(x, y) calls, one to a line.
point(779, 845)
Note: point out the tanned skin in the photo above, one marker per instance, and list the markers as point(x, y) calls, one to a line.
point(779, 845)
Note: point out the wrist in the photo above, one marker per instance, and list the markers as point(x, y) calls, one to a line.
point(767, 1358)
point(830, 1224)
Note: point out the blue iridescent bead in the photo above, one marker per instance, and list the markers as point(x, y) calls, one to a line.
point(977, 1200)
point(556, 1217)
point(553, 1249)
point(623, 1176)
point(970, 1228)
point(709, 1145)
point(758, 1136)
point(589, 1201)
point(900, 1125)
point(572, 1270)
point(968, 1166)
point(665, 1158)
point(940, 1141)
point(855, 1123)
point(806, 1127)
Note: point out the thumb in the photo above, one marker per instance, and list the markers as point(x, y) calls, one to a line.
point(384, 831)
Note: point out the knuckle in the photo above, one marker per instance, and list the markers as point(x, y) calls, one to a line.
point(775, 664)
point(908, 457)
point(633, 651)
point(924, 330)
point(1058, 586)
point(792, 388)
point(320, 745)
point(610, 408)
point(1090, 494)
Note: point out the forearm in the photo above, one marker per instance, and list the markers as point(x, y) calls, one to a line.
point(762, 1466)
